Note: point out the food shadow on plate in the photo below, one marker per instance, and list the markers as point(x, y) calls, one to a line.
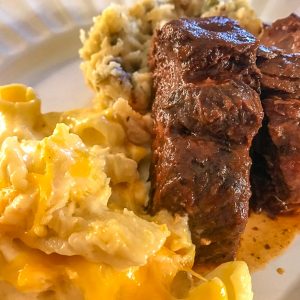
point(293, 292)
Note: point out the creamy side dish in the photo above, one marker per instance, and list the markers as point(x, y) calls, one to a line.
point(74, 185)
point(64, 199)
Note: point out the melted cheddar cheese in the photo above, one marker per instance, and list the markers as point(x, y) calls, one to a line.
point(72, 191)
point(33, 271)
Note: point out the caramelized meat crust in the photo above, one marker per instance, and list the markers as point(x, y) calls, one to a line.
point(283, 34)
point(206, 112)
point(276, 151)
point(280, 71)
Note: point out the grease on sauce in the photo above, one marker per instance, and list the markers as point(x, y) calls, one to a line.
point(266, 238)
point(280, 271)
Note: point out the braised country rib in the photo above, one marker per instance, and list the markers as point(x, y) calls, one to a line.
point(206, 112)
point(276, 152)
point(283, 34)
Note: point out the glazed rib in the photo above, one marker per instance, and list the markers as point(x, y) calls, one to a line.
point(206, 112)
point(276, 151)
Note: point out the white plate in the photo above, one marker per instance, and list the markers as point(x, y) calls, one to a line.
point(39, 46)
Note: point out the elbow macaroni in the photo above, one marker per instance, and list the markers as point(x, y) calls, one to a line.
point(78, 192)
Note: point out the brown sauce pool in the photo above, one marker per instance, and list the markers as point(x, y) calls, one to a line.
point(266, 238)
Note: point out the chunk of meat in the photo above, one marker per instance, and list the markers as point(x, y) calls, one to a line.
point(276, 151)
point(206, 112)
point(210, 183)
point(280, 72)
point(223, 110)
point(283, 34)
point(215, 48)
point(277, 187)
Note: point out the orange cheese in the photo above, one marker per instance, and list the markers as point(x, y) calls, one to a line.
point(34, 271)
